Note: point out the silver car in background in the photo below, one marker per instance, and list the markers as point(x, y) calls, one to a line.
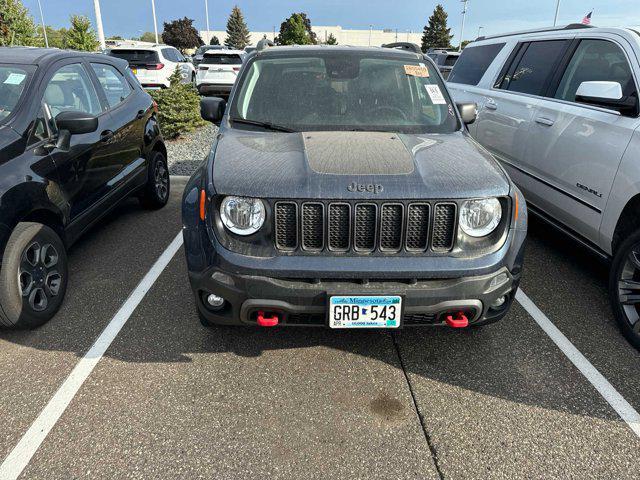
point(559, 109)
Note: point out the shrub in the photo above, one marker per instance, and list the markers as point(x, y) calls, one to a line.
point(178, 107)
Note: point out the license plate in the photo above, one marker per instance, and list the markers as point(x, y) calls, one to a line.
point(359, 311)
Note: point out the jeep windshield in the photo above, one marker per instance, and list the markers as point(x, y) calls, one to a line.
point(13, 81)
point(343, 91)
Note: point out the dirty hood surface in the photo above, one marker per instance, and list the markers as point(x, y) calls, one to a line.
point(354, 165)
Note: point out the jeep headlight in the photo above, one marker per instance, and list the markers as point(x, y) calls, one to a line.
point(243, 216)
point(478, 218)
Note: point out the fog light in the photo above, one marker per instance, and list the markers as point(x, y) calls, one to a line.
point(215, 301)
point(499, 302)
point(499, 280)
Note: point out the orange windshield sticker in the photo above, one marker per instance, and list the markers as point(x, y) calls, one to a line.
point(416, 70)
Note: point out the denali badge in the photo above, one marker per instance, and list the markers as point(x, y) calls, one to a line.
point(361, 187)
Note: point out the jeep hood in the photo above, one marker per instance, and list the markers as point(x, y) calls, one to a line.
point(353, 165)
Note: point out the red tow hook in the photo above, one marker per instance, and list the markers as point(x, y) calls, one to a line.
point(460, 320)
point(267, 321)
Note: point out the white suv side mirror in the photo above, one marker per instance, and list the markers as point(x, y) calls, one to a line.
point(602, 90)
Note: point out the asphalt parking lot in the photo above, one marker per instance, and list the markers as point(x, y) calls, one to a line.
point(171, 399)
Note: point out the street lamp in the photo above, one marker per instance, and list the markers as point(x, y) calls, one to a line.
point(96, 7)
point(370, 31)
point(479, 28)
point(155, 22)
point(206, 13)
point(555, 19)
point(464, 15)
point(44, 28)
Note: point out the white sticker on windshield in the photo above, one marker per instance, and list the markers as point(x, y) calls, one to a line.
point(14, 78)
point(435, 95)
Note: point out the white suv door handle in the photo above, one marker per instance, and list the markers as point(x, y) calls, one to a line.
point(491, 105)
point(545, 121)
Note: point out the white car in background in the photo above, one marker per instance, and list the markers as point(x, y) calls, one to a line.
point(218, 71)
point(153, 65)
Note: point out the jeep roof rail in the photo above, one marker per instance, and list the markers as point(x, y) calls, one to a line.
point(571, 26)
point(263, 44)
point(408, 46)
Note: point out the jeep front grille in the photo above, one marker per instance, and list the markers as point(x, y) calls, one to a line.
point(365, 227)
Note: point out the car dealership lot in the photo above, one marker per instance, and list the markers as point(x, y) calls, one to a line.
point(171, 399)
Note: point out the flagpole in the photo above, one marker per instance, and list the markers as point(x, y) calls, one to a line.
point(555, 19)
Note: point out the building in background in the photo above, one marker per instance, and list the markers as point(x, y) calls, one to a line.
point(359, 38)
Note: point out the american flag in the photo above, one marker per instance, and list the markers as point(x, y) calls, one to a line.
point(587, 19)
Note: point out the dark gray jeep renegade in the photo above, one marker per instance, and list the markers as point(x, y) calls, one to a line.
point(343, 190)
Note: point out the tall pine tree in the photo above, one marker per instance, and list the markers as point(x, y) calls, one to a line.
point(296, 30)
point(436, 34)
point(237, 32)
point(80, 36)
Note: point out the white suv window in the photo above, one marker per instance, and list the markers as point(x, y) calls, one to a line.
point(473, 63)
point(596, 60)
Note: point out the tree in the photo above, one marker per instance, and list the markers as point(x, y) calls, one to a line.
point(296, 30)
point(214, 41)
point(80, 36)
point(16, 25)
point(238, 35)
point(465, 43)
point(55, 37)
point(178, 107)
point(331, 40)
point(436, 34)
point(181, 34)
point(149, 37)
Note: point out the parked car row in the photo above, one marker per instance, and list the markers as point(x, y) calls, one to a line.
point(78, 135)
point(559, 109)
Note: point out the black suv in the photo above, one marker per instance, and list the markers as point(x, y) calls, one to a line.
point(343, 190)
point(77, 135)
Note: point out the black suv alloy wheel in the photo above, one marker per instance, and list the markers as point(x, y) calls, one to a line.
point(33, 276)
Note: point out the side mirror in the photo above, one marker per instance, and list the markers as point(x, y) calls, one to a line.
point(212, 109)
point(468, 112)
point(76, 123)
point(607, 95)
point(73, 123)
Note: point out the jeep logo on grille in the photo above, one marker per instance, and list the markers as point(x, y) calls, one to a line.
point(361, 187)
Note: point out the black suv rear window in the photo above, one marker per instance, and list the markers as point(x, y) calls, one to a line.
point(214, 59)
point(473, 62)
point(136, 57)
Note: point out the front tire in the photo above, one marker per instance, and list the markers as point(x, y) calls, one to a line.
point(33, 276)
point(624, 288)
point(156, 192)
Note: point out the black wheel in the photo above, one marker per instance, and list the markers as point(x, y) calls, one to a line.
point(624, 288)
point(33, 276)
point(156, 193)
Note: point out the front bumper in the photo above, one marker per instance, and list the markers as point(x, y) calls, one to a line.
point(303, 302)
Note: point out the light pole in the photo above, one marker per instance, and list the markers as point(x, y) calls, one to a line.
point(44, 28)
point(96, 7)
point(479, 28)
point(155, 22)
point(206, 14)
point(464, 15)
point(370, 31)
point(555, 19)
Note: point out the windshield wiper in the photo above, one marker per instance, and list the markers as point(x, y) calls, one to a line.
point(267, 125)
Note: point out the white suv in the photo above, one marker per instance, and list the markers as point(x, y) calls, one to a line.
point(559, 109)
point(153, 65)
point(218, 71)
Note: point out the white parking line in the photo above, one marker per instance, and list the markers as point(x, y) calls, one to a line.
point(20, 456)
point(601, 384)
